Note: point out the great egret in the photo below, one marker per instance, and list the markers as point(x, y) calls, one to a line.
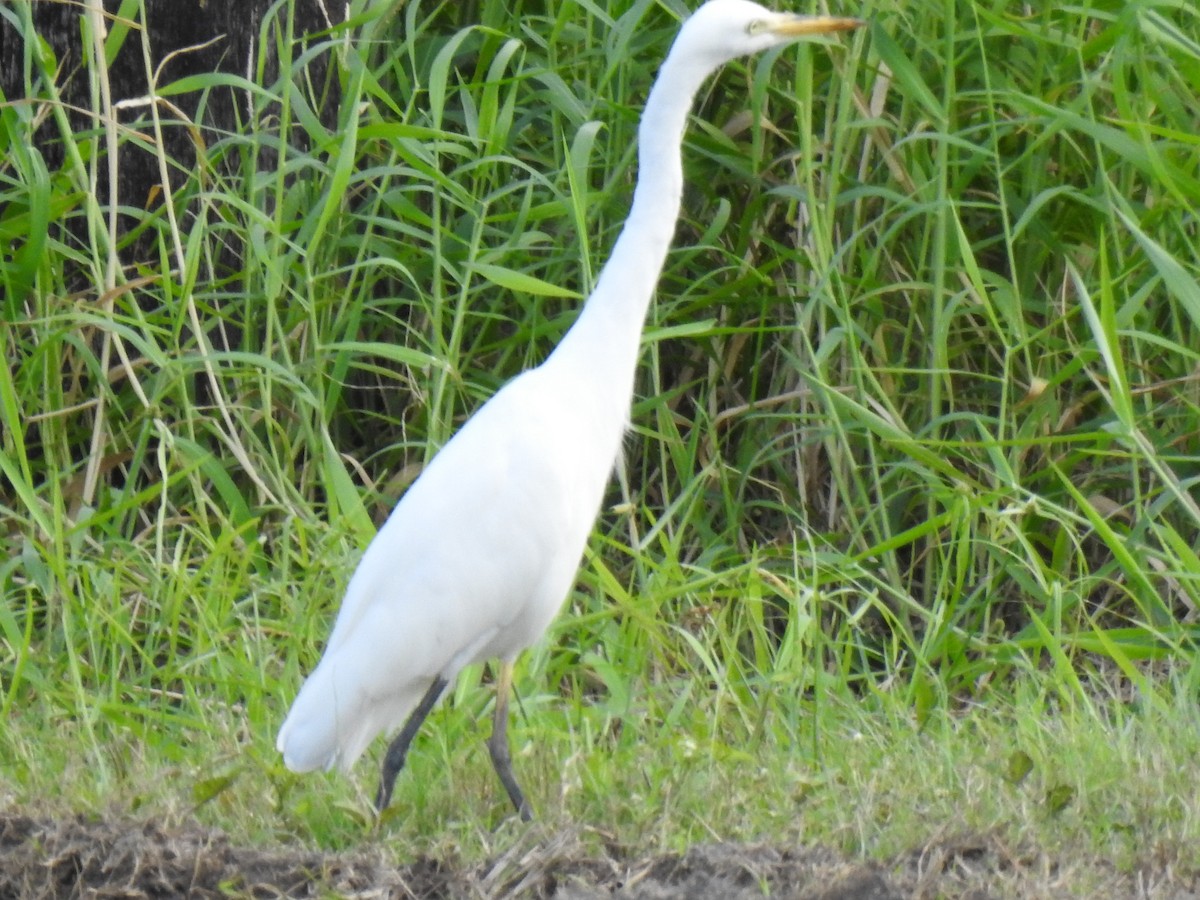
point(479, 554)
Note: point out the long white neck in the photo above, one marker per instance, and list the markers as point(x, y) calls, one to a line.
point(607, 335)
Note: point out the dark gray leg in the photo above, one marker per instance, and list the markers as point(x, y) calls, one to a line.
point(498, 744)
point(397, 750)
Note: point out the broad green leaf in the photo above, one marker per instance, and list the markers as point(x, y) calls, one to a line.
point(522, 283)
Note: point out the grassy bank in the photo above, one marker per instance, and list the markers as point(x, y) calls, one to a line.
point(906, 530)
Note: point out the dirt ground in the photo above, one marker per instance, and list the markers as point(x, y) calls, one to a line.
point(88, 859)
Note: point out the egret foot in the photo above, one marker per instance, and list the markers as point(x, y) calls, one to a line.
point(397, 750)
point(498, 745)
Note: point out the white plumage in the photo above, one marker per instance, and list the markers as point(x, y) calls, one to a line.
point(479, 554)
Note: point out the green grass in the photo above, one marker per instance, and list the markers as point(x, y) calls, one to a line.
point(910, 494)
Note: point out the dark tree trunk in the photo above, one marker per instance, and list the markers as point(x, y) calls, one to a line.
point(184, 38)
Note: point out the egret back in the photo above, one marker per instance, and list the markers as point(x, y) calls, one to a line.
point(472, 564)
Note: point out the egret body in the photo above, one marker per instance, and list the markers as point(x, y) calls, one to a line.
point(479, 554)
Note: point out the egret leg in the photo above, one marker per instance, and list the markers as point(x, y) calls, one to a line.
point(498, 744)
point(397, 750)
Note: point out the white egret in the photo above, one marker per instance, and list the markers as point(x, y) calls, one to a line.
point(479, 554)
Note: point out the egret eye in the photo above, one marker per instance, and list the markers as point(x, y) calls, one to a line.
point(756, 27)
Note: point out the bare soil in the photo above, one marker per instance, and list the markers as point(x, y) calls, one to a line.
point(106, 859)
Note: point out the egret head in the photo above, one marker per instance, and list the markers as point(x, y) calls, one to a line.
point(722, 30)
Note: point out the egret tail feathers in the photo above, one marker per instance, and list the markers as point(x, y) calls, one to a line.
point(331, 724)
